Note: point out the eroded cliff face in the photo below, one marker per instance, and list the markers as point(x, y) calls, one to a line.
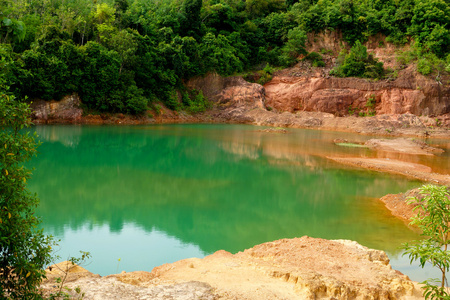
point(409, 93)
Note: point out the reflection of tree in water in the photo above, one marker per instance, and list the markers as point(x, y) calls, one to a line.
point(188, 185)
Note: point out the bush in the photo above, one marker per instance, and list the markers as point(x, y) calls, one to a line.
point(358, 63)
point(316, 59)
point(433, 219)
point(424, 66)
point(266, 74)
point(195, 102)
point(24, 249)
point(294, 46)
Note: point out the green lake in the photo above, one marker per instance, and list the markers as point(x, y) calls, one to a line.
point(137, 197)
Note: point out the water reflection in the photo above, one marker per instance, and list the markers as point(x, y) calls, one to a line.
point(209, 187)
point(129, 249)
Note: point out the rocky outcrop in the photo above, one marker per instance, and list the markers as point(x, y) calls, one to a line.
point(409, 93)
point(411, 100)
point(229, 92)
point(67, 109)
point(299, 268)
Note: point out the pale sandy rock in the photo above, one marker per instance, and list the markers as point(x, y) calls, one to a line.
point(72, 270)
point(110, 288)
point(120, 286)
point(299, 268)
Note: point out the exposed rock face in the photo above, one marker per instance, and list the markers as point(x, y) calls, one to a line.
point(67, 109)
point(300, 268)
point(229, 91)
point(410, 93)
point(411, 100)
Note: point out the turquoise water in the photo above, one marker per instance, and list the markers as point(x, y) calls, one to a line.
point(138, 197)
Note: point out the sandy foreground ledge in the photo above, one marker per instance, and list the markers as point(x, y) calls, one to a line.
point(300, 268)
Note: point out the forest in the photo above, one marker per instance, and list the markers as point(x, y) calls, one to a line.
point(126, 55)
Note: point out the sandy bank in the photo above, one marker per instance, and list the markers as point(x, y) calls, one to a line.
point(300, 268)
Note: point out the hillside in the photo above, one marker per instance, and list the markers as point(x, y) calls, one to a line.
point(129, 56)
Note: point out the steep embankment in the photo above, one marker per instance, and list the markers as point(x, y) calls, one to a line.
point(409, 93)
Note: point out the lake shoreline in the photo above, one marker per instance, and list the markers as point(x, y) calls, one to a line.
point(387, 126)
point(380, 125)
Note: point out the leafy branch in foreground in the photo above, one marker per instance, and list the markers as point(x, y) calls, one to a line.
point(24, 249)
point(433, 218)
point(65, 268)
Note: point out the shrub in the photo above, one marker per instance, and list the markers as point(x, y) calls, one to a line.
point(195, 102)
point(358, 63)
point(424, 66)
point(433, 219)
point(24, 249)
point(316, 59)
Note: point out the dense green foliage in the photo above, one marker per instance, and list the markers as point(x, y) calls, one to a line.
point(24, 250)
point(357, 63)
point(433, 219)
point(121, 55)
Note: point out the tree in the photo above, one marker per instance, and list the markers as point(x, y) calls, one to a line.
point(357, 63)
point(433, 219)
point(294, 46)
point(124, 43)
point(192, 21)
point(218, 54)
point(24, 249)
point(11, 30)
point(430, 25)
